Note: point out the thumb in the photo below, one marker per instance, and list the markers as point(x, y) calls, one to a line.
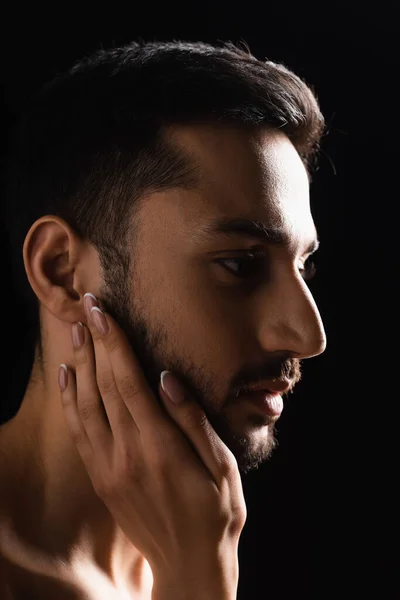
point(193, 421)
point(172, 388)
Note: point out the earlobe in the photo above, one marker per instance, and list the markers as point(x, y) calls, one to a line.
point(51, 252)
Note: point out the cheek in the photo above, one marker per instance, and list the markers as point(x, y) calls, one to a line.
point(213, 334)
point(209, 321)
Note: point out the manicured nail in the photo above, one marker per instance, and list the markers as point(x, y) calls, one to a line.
point(63, 377)
point(78, 335)
point(88, 302)
point(171, 387)
point(99, 320)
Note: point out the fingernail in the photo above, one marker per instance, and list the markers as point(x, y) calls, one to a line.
point(171, 387)
point(63, 377)
point(88, 302)
point(99, 320)
point(78, 335)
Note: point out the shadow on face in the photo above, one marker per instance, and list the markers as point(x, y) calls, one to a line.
point(217, 293)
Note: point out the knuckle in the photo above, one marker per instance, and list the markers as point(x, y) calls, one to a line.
point(221, 513)
point(228, 465)
point(81, 356)
point(86, 410)
point(110, 340)
point(127, 387)
point(106, 382)
point(232, 511)
point(202, 419)
point(192, 417)
point(228, 462)
point(239, 516)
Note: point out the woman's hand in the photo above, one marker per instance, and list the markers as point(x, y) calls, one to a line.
point(166, 477)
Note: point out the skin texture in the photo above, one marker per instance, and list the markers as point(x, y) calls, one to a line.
point(183, 312)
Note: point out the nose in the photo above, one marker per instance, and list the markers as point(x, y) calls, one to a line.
point(291, 320)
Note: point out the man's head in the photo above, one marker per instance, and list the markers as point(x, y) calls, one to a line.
point(131, 176)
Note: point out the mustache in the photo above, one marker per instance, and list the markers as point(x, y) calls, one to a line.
point(275, 369)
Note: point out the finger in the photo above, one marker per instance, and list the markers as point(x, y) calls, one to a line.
point(89, 402)
point(193, 421)
point(117, 412)
point(119, 374)
point(72, 418)
point(146, 411)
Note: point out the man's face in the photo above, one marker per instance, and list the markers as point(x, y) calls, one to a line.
point(189, 313)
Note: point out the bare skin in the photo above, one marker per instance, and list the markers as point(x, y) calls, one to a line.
point(185, 313)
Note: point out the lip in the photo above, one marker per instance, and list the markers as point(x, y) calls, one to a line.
point(281, 385)
point(270, 403)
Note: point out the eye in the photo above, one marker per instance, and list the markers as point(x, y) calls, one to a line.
point(253, 263)
point(244, 267)
point(309, 270)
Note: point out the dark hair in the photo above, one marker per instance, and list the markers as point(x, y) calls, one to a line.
point(93, 142)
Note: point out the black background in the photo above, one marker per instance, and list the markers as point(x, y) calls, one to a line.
point(316, 527)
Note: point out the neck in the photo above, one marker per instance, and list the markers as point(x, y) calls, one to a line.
point(52, 520)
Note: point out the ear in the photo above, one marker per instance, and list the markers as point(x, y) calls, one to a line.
point(60, 267)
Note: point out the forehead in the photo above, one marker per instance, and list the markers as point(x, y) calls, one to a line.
point(241, 168)
point(255, 175)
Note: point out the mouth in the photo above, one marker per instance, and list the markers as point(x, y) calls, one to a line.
point(270, 403)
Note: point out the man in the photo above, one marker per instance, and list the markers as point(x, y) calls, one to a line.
point(170, 181)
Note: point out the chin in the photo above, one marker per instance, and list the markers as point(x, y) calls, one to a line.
point(254, 446)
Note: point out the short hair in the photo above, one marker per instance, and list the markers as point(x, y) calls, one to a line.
point(92, 144)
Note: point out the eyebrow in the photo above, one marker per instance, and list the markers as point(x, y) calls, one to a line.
point(256, 230)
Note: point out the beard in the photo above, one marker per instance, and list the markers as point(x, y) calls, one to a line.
point(250, 437)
